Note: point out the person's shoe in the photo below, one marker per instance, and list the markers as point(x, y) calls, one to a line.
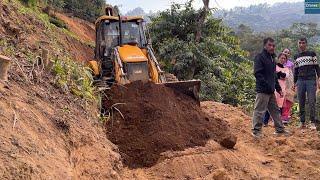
point(265, 125)
point(256, 135)
point(302, 125)
point(283, 132)
point(285, 123)
point(313, 126)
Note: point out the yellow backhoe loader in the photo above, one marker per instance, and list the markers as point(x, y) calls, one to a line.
point(124, 54)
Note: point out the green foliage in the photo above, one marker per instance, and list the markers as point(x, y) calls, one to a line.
point(30, 3)
point(216, 59)
point(267, 18)
point(6, 48)
point(86, 9)
point(74, 78)
point(57, 4)
point(287, 38)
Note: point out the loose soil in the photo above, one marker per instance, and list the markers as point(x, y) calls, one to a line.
point(272, 157)
point(158, 119)
point(48, 134)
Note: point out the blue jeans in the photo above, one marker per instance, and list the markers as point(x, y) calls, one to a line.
point(307, 88)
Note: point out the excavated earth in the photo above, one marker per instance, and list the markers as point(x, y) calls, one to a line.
point(149, 119)
point(46, 133)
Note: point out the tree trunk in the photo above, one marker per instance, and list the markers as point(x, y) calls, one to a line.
point(4, 67)
point(202, 18)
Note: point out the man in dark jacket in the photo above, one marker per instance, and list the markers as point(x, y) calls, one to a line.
point(306, 71)
point(266, 84)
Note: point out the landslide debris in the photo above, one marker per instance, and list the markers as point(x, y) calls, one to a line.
point(157, 119)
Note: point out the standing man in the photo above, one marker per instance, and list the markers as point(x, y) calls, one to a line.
point(306, 73)
point(266, 83)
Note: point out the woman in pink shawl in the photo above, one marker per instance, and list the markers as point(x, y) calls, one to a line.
point(289, 62)
point(285, 75)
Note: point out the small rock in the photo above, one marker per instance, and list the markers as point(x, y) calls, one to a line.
point(265, 162)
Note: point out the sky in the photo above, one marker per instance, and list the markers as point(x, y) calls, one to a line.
point(151, 5)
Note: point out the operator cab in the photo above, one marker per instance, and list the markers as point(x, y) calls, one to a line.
point(127, 34)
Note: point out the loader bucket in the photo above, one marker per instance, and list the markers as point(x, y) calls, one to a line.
point(190, 88)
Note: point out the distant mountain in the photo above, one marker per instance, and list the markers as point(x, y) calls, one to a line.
point(264, 18)
point(139, 12)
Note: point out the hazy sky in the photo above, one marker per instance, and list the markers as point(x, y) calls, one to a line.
point(155, 5)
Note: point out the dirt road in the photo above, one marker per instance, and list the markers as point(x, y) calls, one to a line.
point(294, 157)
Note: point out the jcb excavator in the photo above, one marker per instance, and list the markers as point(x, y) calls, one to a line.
point(124, 54)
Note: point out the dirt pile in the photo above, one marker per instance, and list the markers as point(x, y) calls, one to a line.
point(273, 157)
point(158, 119)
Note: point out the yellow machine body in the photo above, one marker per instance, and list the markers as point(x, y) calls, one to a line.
point(121, 60)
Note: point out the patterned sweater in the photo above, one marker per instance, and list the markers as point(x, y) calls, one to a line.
point(306, 66)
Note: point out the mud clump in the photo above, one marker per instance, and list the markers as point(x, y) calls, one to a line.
point(157, 119)
point(229, 141)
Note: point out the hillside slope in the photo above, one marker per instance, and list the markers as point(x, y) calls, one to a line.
point(266, 18)
point(45, 132)
point(37, 32)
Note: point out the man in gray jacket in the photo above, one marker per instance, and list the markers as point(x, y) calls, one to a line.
point(306, 74)
point(266, 84)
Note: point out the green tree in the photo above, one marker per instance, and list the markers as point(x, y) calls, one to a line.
point(58, 4)
point(202, 49)
point(86, 9)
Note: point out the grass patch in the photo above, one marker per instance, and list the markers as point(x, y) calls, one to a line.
point(75, 78)
point(6, 49)
point(57, 22)
point(73, 35)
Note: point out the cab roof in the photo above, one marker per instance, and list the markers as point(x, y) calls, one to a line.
point(116, 18)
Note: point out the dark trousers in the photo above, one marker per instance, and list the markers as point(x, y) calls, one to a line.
point(266, 118)
point(263, 103)
point(307, 88)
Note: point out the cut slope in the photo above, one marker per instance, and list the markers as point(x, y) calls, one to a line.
point(84, 29)
point(36, 32)
point(46, 133)
point(158, 119)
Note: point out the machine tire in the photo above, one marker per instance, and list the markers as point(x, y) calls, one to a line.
point(170, 77)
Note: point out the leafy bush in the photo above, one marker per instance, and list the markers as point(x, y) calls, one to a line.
point(58, 4)
point(74, 78)
point(30, 3)
point(85, 9)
